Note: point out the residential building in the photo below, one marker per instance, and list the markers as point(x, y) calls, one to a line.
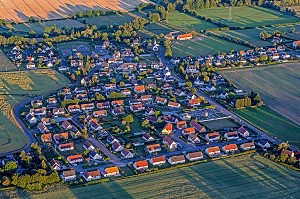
point(156, 161)
point(176, 159)
point(141, 165)
point(170, 143)
point(91, 175)
point(194, 156)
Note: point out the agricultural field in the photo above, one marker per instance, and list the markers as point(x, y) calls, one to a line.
point(247, 176)
point(5, 63)
point(220, 124)
point(276, 84)
point(21, 10)
point(247, 16)
point(39, 27)
point(204, 46)
point(15, 88)
point(158, 28)
point(273, 123)
point(182, 21)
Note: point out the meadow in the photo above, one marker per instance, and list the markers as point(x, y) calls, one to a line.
point(273, 123)
point(204, 46)
point(5, 63)
point(278, 86)
point(247, 16)
point(247, 176)
point(220, 124)
point(15, 88)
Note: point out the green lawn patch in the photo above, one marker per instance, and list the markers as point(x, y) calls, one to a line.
point(220, 124)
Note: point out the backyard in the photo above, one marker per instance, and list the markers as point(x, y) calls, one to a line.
point(247, 176)
point(247, 16)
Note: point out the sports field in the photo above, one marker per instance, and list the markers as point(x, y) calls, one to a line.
point(186, 22)
point(15, 88)
point(204, 46)
point(248, 176)
point(278, 86)
point(247, 16)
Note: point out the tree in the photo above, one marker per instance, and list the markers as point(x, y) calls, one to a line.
point(10, 166)
point(128, 119)
point(122, 84)
point(157, 113)
point(283, 157)
point(283, 145)
point(5, 181)
point(293, 29)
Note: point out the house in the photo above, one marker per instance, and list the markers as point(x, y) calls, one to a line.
point(87, 145)
point(69, 175)
point(187, 36)
point(117, 103)
point(75, 158)
point(263, 144)
point(147, 137)
point(194, 156)
point(296, 44)
point(118, 111)
point(103, 105)
point(94, 155)
point(288, 152)
point(47, 137)
point(170, 119)
point(74, 108)
point(160, 100)
point(194, 102)
point(134, 101)
point(30, 65)
point(230, 148)
point(242, 53)
point(176, 159)
point(173, 104)
point(213, 151)
point(87, 107)
point(139, 89)
point(209, 88)
point(38, 111)
point(137, 107)
point(247, 146)
point(194, 138)
point(55, 164)
point(30, 118)
point(243, 132)
point(153, 148)
point(58, 111)
point(170, 143)
point(66, 125)
point(126, 153)
point(156, 161)
point(111, 139)
point(111, 171)
point(198, 127)
point(141, 165)
point(181, 125)
point(36, 103)
point(231, 135)
point(66, 147)
point(126, 92)
point(146, 98)
point(46, 121)
point(222, 95)
point(149, 112)
point(91, 175)
point(100, 113)
point(117, 146)
point(52, 100)
point(212, 136)
point(179, 93)
point(188, 131)
point(168, 129)
point(42, 127)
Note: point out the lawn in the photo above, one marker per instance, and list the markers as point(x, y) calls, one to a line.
point(247, 16)
point(39, 27)
point(186, 22)
point(273, 123)
point(248, 176)
point(5, 63)
point(204, 46)
point(220, 124)
point(15, 88)
point(278, 86)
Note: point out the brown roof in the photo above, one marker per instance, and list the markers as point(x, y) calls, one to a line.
point(158, 159)
point(230, 147)
point(69, 173)
point(213, 149)
point(195, 154)
point(177, 158)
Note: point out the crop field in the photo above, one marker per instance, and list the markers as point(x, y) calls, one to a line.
point(247, 176)
point(204, 46)
point(39, 27)
point(16, 87)
point(5, 63)
point(273, 123)
point(220, 124)
point(248, 16)
point(184, 21)
point(278, 86)
point(21, 10)
point(158, 28)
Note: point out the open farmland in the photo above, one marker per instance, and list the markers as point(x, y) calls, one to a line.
point(5, 63)
point(21, 10)
point(247, 176)
point(273, 123)
point(15, 88)
point(278, 86)
point(248, 16)
point(204, 46)
point(186, 22)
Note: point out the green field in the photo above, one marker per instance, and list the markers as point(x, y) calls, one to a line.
point(220, 124)
point(278, 86)
point(15, 88)
point(204, 46)
point(248, 176)
point(158, 28)
point(273, 123)
point(5, 63)
point(247, 16)
point(186, 22)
